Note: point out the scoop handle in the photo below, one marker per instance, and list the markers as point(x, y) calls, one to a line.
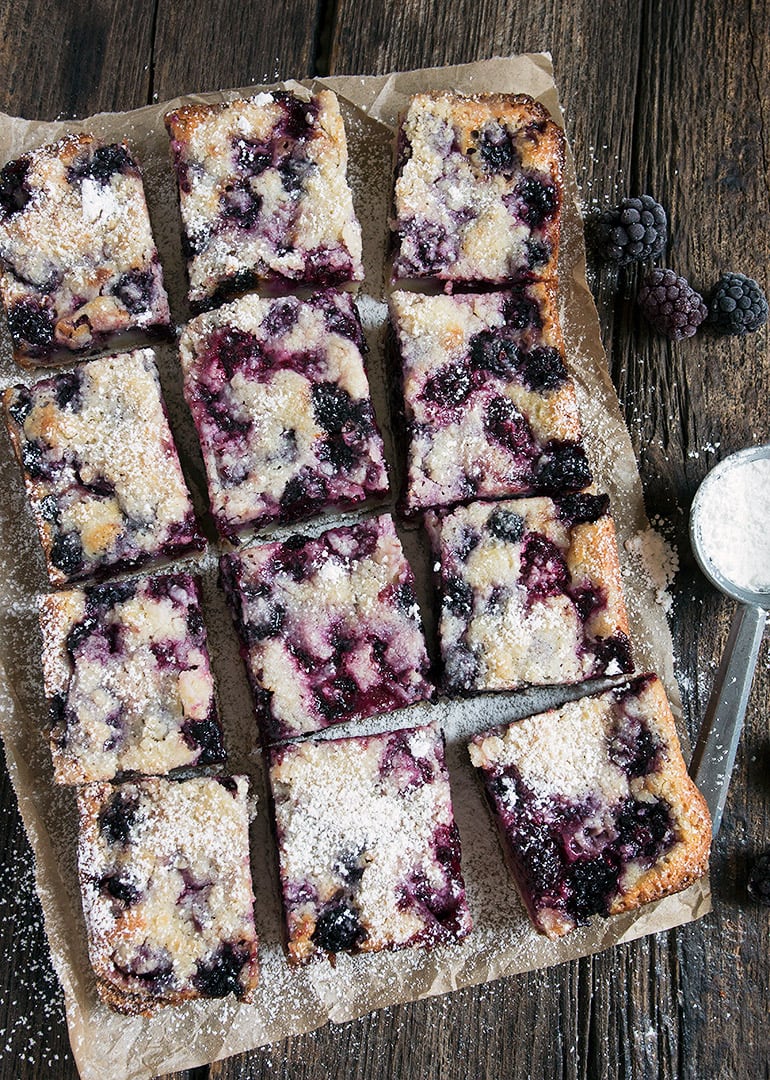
point(714, 757)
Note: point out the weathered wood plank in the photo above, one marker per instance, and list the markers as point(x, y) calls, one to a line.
point(33, 1034)
point(64, 59)
point(702, 137)
point(206, 45)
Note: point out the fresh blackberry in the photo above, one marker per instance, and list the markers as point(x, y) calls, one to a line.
point(737, 305)
point(634, 231)
point(759, 879)
point(670, 304)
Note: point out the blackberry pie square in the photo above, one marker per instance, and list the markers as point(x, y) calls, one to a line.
point(530, 593)
point(128, 679)
point(100, 467)
point(596, 812)
point(264, 195)
point(167, 891)
point(368, 849)
point(489, 407)
point(279, 396)
point(329, 626)
point(479, 189)
point(78, 263)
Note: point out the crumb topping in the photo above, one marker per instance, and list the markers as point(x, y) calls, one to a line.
point(490, 408)
point(521, 602)
point(479, 189)
point(78, 259)
point(263, 192)
point(330, 626)
point(595, 806)
point(128, 678)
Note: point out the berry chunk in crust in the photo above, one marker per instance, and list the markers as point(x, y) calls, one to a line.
point(100, 467)
point(368, 850)
point(330, 628)
point(78, 264)
point(263, 194)
point(595, 809)
point(530, 593)
point(489, 407)
point(280, 400)
point(478, 189)
point(128, 679)
point(167, 891)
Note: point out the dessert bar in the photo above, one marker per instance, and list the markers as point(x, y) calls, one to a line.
point(128, 679)
point(595, 809)
point(78, 264)
point(368, 849)
point(478, 189)
point(280, 400)
point(100, 467)
point(263, 194)
point(489, 407)
point(330, 628)
point(530, 593)
point(167, 891)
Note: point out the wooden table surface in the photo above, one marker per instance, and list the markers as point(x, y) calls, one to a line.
point(671, 98)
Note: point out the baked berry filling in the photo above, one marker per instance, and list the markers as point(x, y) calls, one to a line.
point(280, 400)
point(315, 658)
point(167, 893)
point(478, 191)
point(132, 690)
point(573, 857)
point(490, 409)
point(263, 194)
point(519, 606)
point(594, 805)
point(80, 262)
point(101, 468)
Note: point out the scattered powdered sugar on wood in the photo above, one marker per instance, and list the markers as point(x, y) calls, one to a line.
point(657, 560)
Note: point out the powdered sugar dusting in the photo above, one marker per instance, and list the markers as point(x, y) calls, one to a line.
point(361, 817)
point(657, 560)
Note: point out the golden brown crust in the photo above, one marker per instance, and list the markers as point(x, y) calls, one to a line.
point(688, 859)
point(593, 556)
point(181, 122)
point(128, 1004)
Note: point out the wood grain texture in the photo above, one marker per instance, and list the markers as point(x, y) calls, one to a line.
point(62, 59)
point(670, 98)
point(215, 44)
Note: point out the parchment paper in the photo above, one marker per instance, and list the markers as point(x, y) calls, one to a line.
point(111, 1047)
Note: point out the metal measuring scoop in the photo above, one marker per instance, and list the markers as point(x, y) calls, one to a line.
point(714, 756)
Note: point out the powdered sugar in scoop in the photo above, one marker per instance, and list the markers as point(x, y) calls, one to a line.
point(734, 524)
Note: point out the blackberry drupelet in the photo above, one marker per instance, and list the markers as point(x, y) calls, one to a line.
point(670, 304)
point(634, 231)
point(737, 305)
